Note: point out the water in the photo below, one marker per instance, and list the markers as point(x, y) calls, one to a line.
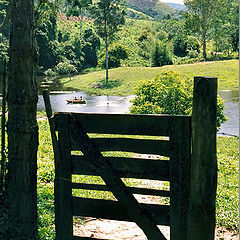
point(119, 105)
point(231, 126)
point(94, 104)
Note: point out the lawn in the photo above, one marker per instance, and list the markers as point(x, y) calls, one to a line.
point(227, 192)
point(123, 80)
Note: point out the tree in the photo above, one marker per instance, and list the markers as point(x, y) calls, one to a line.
point(22, 126)
point(76, 8)
point(167, 93)
point(108, 16)
point(198, 17)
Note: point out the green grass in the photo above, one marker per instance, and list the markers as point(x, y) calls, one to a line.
point(228, 182)
point(227, 193)
point(123, 80)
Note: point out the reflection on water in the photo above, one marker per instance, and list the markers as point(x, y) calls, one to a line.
point(94, 104)
point(116, 104)
point(231, 126)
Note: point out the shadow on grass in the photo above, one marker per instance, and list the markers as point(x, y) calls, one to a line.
point(101, 84)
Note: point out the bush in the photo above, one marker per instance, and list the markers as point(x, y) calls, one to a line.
point(168, 94)
point(180, 45)
point(66, 68)
point(116, 53)
point(193, 44)
point(50, 73)
point(161, 54)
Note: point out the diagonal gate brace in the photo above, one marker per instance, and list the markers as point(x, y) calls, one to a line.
point(114, 183)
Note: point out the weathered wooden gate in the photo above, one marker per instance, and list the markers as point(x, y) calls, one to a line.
point(189, 165)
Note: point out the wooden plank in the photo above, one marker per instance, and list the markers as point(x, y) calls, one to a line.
point(201, 222)
point(112, 210)
point(129, 124)
point(143, 146)
point(180, 166)
point(114, 182)
point(126, 167)
point(134, 190)
point(63, 186)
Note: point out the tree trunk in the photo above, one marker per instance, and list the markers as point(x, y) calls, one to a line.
point(22, 125)
point(204, 33)
point(106, 45)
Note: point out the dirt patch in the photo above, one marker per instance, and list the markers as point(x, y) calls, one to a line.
point(120, 230)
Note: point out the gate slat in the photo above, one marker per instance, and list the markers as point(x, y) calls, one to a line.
point(108, 209)
point(134, 190)
point(126, 167)
point(143, 146)
point(129, 124)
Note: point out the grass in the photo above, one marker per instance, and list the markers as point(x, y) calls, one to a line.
point(228, 183)
point(227, 193)
point(123, 80)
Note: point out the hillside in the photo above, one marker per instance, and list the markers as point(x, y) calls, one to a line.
point(177, 6)
point(153, 8)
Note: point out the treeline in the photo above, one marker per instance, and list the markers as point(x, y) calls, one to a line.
point(68, 41)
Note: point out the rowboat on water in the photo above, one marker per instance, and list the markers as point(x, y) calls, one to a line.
point(77, 100)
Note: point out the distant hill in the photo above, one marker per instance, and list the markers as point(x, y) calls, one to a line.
point(153, 8)
point(177, 6)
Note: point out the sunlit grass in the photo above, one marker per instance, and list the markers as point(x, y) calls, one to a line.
point(130, 77)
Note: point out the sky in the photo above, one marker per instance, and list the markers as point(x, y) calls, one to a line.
point(173, 1)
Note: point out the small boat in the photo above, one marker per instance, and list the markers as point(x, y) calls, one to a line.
point(77, 100)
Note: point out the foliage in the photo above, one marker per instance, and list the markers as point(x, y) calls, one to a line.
point(108, 16)
point(65, 68)
point(168, 94)
point(50, 73)
point(117, 52)
point(161, 54)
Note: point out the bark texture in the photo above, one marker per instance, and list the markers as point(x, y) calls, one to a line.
point(22, 125)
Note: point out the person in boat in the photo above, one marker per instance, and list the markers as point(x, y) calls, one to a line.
point(75, 98)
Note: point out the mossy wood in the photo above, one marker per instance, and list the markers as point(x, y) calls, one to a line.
point(176, 167)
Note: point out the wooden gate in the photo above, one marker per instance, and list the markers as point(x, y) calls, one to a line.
point(80, 141)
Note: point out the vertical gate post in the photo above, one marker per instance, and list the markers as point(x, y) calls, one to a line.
point(63, 184)
point(201, 218)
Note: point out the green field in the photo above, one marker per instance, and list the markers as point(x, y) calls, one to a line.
point(123, 80)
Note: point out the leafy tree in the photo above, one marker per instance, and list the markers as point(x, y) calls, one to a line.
point(108, 16)
point(90, 48)
point(199, 16)
point(225, 25)
point(76, 8)
point(167, 93)
point(117, 52)
point(180, 45)
point(161, 54)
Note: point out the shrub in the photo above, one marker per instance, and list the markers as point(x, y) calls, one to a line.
point(193, 54)
point(193, 44)
point(161, 54)
point(168, 94)
point(116, 53)
point(180, 45)
point(65, 68)
point(50, 73)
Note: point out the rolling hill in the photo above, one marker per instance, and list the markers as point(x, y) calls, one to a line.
point(153, 8)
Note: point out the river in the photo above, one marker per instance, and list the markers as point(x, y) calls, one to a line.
point(118, 105)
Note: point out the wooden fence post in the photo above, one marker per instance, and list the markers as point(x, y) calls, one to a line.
point(201, 218)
